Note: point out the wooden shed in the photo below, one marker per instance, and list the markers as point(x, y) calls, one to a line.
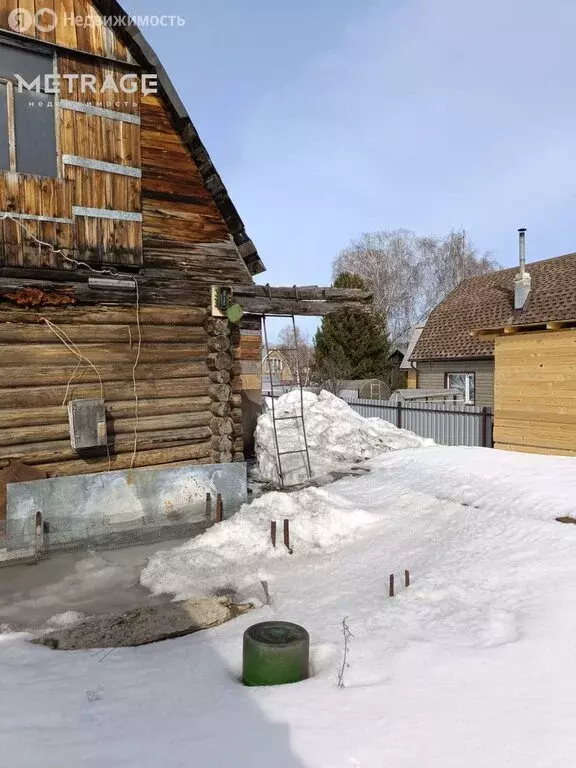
point(535, 363)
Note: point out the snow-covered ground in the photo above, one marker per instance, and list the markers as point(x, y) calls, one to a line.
point(473, 665)
point(336, 435)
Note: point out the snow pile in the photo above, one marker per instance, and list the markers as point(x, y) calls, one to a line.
point(337, 437)
point(233, 556)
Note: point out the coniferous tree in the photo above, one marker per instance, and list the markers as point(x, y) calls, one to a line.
point(350, 345)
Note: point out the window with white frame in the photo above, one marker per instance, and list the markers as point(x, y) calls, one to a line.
point(27, 120)
point(464, 383)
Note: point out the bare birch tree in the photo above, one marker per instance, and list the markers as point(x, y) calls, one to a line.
point(409, 274)
point(298, 353)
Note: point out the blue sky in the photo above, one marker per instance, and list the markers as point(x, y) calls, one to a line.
point(328, 118)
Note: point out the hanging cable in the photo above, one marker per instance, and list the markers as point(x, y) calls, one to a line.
point(69, 344)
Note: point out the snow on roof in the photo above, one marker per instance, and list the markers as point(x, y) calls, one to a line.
point(423, 394)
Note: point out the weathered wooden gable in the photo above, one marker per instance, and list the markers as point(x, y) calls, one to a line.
point(126, 192)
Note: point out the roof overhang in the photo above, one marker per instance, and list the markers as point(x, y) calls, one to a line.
point(489, 334)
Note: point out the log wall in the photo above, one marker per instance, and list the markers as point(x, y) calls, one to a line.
point(535, 392)
point(184, 382)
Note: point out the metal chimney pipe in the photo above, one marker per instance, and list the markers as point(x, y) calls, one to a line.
point(522, 249)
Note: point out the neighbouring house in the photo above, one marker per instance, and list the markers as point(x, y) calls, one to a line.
point(129, 321)
point(408, 366)
point(276, 365)
point(446, 355)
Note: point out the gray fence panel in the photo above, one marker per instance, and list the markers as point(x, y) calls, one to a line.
point(445, 423)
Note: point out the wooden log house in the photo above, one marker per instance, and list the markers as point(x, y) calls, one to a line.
point(114, 225)
point(122, 184)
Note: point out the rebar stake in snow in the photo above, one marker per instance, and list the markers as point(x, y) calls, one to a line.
point(39, 534)
point(273, 532)
point(287, 536)
point(407, 578)
point(219, 508)
point(391, 593)
point(208, 507)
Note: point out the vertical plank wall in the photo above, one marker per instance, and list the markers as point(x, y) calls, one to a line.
point(91, 37)
point(535, 392)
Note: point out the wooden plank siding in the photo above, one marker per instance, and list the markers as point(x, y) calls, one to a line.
point(81, 138)
point(432, 375)
point(90, 36)
point(535, 392)
point(182, 226)
point(181, 229)
point(247, 353)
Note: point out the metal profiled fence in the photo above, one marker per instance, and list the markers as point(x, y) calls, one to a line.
point(446, 423)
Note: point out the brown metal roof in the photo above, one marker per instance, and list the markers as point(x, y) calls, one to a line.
point(487, 301)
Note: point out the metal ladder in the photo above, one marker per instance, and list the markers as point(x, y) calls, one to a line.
point(296, 417)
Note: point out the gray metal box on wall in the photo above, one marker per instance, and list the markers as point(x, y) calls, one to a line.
point(87, 424)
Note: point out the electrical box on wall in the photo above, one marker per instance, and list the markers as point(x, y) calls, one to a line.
point(87, 424)
point(221, 300)
point(223, 304)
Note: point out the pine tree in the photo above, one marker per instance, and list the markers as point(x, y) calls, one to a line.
point(351, 345)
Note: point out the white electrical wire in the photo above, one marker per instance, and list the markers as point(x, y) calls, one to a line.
point(74, 349)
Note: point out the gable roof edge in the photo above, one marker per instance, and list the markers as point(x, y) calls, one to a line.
point(142, 51)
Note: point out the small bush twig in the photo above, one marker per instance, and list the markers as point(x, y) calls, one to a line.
point(96, 694)
point(345, 665)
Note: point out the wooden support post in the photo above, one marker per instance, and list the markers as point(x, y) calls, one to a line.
point(209, 507)
point(484, 439)
point(407, 578)
point(287, 536)
point(273, 532)
point(391, 592)
point(219, 508)
point(399, 414)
